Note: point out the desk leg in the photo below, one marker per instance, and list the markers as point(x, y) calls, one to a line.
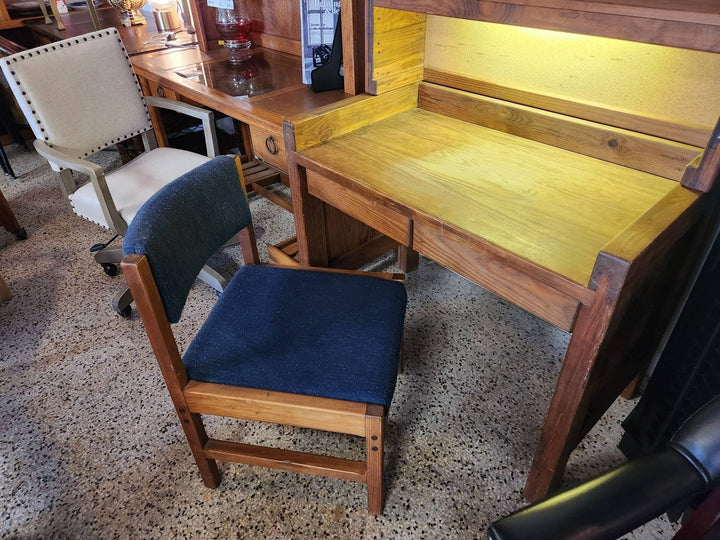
point(408, 258)
point(155, 116)
point(7, 218)
point(568, 407)
point(309, 220)
point(614, 339)
point(327, 236)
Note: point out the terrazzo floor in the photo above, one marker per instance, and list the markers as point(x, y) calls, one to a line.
point(91, 446)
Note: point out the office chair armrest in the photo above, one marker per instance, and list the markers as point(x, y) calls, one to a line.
point(205, 115)
point(608, 506)
point(60, 159)
point(97, 177)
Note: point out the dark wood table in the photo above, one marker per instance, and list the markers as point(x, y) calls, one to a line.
point(79, 22)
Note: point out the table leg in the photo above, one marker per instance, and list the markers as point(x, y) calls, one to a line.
point(309, 220)
point(7, 218)
point(5, 293)
point(568, 408)
point(408, 258)
point(614, 339)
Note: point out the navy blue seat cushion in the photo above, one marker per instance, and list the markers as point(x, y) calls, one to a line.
point(304, 332)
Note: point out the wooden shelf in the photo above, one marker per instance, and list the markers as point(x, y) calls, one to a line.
point(689, 24)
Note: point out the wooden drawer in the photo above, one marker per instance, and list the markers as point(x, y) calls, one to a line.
point(269, 146)
point(160, 91)
point(371, 212)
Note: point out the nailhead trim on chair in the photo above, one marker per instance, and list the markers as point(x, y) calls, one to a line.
point(103, 225)
point(77, 41)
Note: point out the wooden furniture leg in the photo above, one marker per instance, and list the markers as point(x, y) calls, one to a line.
point(5, 293)
point(617, 335)
point(408, 258)
point(8, 220)
point(568, 407)
point(309, 220)
point(374, 440)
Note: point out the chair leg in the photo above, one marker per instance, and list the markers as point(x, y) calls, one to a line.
point(374, 440)
point(112, 256)
point(5, 162)
point(196, 437)
point(5, 293)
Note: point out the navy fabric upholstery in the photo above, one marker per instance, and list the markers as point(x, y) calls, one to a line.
point(304, 332)
point(183, 224)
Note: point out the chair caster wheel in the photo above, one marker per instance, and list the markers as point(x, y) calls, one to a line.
point(21, 234)
point(110, 269)
point(122, 303)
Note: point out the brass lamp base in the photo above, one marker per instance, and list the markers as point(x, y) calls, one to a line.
point(131, 17)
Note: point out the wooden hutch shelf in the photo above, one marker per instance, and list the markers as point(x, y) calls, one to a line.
point(691, 24)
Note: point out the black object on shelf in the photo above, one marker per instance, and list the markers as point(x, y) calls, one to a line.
point(328, 77)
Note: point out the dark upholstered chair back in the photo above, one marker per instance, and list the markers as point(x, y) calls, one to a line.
point(201, 211)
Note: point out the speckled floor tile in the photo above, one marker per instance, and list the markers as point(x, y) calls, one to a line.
point(91, 447)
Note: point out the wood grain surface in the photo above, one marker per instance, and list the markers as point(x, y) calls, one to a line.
point(553, 207)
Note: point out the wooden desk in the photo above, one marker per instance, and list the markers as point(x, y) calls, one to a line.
point(259, 93)
point(79, 22)
point(587, 216)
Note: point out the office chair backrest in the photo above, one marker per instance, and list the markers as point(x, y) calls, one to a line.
point(79, 95)
point(202, 210)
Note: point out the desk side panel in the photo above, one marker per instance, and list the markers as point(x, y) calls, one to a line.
point(637, 291)
point(326, 123)
point(395, 49)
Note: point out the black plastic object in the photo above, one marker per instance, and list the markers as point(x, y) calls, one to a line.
point(625, 498)
point(98, 247)
point(328, 77)
point(687, 374)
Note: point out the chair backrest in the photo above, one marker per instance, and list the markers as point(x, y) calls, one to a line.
point(183, 224)
point(79, 95)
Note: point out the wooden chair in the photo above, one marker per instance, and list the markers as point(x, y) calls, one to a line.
point(322, 352)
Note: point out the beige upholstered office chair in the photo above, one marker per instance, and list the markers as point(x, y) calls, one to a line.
point(322, 350)
point(80, 96)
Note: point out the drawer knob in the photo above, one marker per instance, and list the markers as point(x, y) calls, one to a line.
point(271, 145)
point(160, 91)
